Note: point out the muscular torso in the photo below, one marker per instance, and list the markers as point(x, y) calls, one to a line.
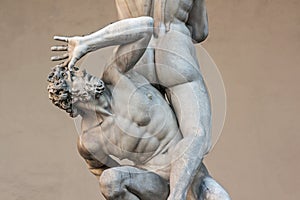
point(164, 12)
point(142, 127)
point(171, 52)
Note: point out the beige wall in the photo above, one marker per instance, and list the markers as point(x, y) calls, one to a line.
point(254, 43)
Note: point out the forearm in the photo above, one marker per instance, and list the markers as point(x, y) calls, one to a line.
point(131, 35)
point(186, 163)
point(96, 167)
point(198, 22)
point(96, 163)
point(119, 33)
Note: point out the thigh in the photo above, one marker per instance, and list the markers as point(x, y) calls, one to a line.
point(191, 105)
point(175, 59)
point(143, 184)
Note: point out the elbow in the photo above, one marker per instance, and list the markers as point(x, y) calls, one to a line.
point(200, 36)
point(204, 34)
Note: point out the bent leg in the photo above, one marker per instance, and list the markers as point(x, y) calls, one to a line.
point(130, 183)
point(191, 104)
point(178, 71)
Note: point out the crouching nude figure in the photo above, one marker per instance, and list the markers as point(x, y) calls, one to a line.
point(124, 116)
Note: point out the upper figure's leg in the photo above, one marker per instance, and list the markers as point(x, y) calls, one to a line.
point(130, 183)
point(178, 70)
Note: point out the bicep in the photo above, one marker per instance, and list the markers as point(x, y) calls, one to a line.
point(94, 165)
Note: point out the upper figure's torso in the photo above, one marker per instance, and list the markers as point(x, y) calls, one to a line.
point(170, 52)
point(167, 14)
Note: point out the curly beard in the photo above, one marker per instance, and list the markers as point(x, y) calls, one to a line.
point(64, 95)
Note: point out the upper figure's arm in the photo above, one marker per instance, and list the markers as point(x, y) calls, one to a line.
point(198, 22)
point(122, 32)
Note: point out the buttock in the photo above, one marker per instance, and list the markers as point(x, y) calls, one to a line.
point(175, 59)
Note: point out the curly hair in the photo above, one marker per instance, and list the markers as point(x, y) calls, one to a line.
point(63, 95)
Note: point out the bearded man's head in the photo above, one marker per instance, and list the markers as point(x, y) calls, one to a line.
point(66, 88)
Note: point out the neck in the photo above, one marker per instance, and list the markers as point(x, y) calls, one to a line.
point(93, 115)
point(90, 121)
point(94, 108)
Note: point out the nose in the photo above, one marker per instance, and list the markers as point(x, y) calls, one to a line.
point(84, 94)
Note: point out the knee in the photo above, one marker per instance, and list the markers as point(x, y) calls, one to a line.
point(109, 183)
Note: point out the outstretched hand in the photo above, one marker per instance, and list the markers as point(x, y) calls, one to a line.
point(75, 49)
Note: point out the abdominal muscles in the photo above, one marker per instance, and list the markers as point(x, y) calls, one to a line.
point(125, 139)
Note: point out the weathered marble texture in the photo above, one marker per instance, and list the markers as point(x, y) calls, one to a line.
point(128, 117)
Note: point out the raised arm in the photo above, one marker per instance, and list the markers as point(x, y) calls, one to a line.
point(198, 22)
point(122, 32)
